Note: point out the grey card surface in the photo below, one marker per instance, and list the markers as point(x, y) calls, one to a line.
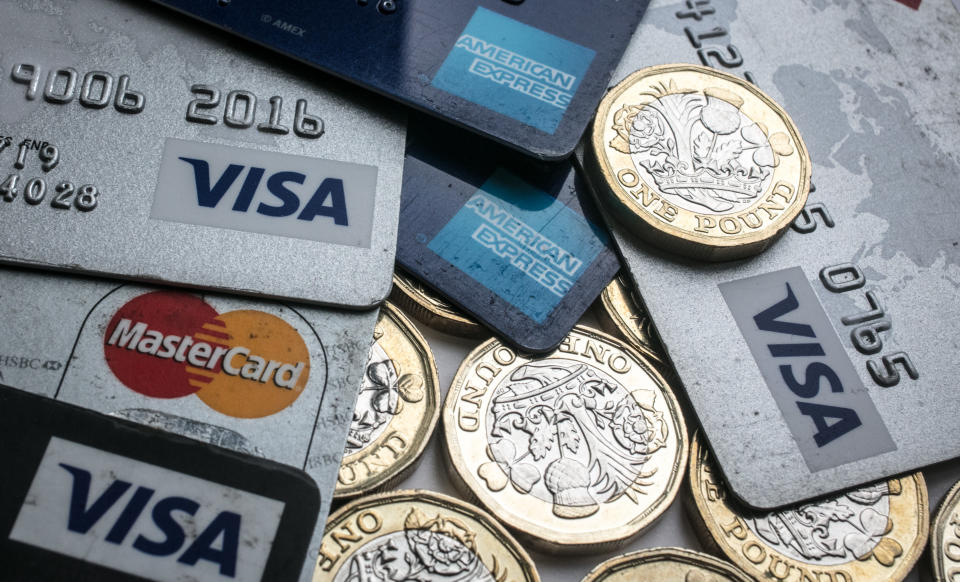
point(268, 379)
point(138, 144)
point(830, 359)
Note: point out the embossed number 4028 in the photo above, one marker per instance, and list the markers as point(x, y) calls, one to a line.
point(84, 199)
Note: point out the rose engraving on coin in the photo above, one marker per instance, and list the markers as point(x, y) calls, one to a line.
point(571, 435)
point(945, 538)
point(700, 149)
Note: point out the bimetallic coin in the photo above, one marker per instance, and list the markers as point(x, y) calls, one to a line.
point(418, 535)
point(699, 162)
point(666, 565)
point(622, 313)
point(876, 532)
point(577, 450)
point(425, 305)
point(945, 538)
point(396, 411)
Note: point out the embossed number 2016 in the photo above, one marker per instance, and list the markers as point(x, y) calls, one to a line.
point(240, 109)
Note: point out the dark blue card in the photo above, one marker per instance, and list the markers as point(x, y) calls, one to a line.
point(515, 242)
point(528, 73)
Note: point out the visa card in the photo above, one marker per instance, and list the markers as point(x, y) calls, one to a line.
point(829, 360)
point(135, 144)
point(527, 73)
point(273, 380)
point(515, 242)
point(86, 496)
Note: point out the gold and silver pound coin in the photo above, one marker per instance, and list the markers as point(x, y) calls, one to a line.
point(876, 532)
point(577, 450)
point(698, 162)
point(431, 310)
point(622, 312)
point(417, 535)
point(945, 538)
point(665, 565)
point(397, 408)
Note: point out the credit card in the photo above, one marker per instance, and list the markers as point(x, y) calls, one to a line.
point(88, 497)
point(828, 360)
point(268, 379)
point(137, 145)
point(527, 73)
point(515, 242)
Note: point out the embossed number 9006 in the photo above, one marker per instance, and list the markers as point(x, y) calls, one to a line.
point(84, 198)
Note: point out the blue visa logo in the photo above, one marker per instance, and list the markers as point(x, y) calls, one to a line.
point(266, 192)
point(144, 519)
point(514, 69)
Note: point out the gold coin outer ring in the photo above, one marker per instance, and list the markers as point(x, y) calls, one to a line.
point(613, 321)
point(938, 527)
point(441, 502)
point(712, 536)
point(431, 395)
point(665, 235)
point(542, 538)
point(682, 556)
point(449, 322)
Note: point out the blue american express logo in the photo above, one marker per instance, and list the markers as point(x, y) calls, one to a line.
point(520, 243)
point(514, 69)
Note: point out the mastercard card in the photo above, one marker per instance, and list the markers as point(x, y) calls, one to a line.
point(83, 496)
point(140, 145)
point(272, 380)
point(829, 360)
point(526, 73)
point(515, 242)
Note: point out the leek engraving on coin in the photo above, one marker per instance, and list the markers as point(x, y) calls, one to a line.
point(569, 434)
point(835, 531)
point(428, 549)
point(701, 150)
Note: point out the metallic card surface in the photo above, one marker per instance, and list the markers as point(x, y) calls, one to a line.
point(526, 73)
point(877, 242)
point(137, 144)
point(268, 379)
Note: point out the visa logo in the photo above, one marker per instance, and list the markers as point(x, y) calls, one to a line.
point(327, 199)
point(266, 192)
point(144, 519)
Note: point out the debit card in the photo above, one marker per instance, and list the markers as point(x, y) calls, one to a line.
point(527, 73)
point(137, 144)
point(515, 242)
point(272, 380)
point(86, 496)
point(829, 360)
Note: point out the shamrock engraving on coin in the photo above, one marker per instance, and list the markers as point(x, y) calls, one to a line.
point(433, 311)
point(666, 565)
point(397, 408)
point(875, 532)
point(579, 449)
point(699, 161)
point(622, 312)
point(945, 538)
point(418, 536)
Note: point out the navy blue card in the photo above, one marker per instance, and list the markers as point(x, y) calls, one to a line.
point(515, 242)
point(89, 497)
point(527, 73)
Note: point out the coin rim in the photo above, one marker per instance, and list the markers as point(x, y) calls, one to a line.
point(453, 323)
point(439, 499)
point(713, 532)
point(666, 235)
point(682, 555)
point(610, 316)
point(397, 471)
point(951, 499)
point(543, 538)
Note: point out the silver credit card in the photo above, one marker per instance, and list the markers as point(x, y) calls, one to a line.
point(135, 143)
point(829, 360)
point(268, 379)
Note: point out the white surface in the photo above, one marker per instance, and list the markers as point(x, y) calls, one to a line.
point(673, 529)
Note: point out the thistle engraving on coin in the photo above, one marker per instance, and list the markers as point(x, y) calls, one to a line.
point(700, 149)
point(436, 549)
point(569, 434)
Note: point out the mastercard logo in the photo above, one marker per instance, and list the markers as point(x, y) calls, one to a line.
point(244, 363)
